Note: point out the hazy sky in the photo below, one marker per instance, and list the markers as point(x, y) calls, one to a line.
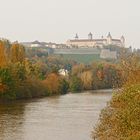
point(59, 20)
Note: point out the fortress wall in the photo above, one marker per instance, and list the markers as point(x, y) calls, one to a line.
point(106, 53)
point(81, 43)
point(77, 51)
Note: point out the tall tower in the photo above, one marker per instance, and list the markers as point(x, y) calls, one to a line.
point(122, 41)
point(90, 36)
point(109, 39)
point(76, 37)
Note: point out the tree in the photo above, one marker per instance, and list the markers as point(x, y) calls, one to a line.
point(75, 84)
point(63, 86)
point(87, 79)
point(130, 68)
point(8, 84)
point(120, 119)
point(52, 83)
point(3, 59)
point(17, 53)
point(78, 69)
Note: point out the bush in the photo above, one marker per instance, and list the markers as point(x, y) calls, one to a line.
point(75, 84)
point(55, 84)
point(31, 88)
point(64, 86)
point(120, 119)
point(9, 83)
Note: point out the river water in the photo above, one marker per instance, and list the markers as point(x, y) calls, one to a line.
point(68, 117)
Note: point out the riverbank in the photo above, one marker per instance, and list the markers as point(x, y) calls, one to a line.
point(100, 91)
point(120, 119)
point(23, 77)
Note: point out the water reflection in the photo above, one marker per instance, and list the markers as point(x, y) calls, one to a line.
point(11, 120)
point(68, 117)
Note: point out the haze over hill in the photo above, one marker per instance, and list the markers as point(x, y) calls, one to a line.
point(57, 21)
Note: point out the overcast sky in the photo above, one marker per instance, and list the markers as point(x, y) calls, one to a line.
point(59, 20)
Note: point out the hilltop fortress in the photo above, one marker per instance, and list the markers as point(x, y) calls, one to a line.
point(82, 50)
point(91, 42)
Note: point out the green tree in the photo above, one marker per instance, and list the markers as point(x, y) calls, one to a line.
point(7, 80)
point(75, 84)
point(63, 86)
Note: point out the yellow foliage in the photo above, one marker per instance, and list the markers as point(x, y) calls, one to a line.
point(17, 53)
point(78, 69)
point(2, 88)
point(3, 60)
point(52, 83)
point(87, 79)
point(131, 70)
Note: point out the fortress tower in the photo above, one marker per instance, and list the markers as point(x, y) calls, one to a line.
point(109, 39)
point(90, 36)
point(76, 37)
point(123, 40)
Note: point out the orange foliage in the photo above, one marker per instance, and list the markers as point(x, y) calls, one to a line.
point(52, 83)
point(131, 70)
point(17, 53)
point(100, 74)
point(78, 69)
point(87, 79)
point(2, 88)
point(3, 61)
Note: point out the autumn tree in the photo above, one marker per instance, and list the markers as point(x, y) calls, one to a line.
point(120, 119)
point(78, 69)
point(52, 83)
point(3, 59)
point(7, 84)
point(17, 53)
point(130, 68)
point(2, 88)
point(75, 84)
point(87, 79)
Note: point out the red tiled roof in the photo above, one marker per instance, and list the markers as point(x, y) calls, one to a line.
point(116, 40)
point(96, 40)
point(87, 40)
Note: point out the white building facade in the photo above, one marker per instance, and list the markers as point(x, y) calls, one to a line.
point(91, 42)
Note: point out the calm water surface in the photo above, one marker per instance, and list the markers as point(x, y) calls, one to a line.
point(68, 117)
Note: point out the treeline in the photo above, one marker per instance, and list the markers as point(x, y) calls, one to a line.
point(23, 77)
point(120, 120)
point(101, 75)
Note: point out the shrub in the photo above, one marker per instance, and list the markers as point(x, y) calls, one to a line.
point(9, 83)
point(120, 119)
point(75, 84)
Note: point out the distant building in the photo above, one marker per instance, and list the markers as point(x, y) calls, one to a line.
point(43, 47)
point(91, 42)
point(37, 44)
point(34, 44)
point(63, 72)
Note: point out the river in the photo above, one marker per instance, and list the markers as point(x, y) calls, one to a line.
point(67, 117)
